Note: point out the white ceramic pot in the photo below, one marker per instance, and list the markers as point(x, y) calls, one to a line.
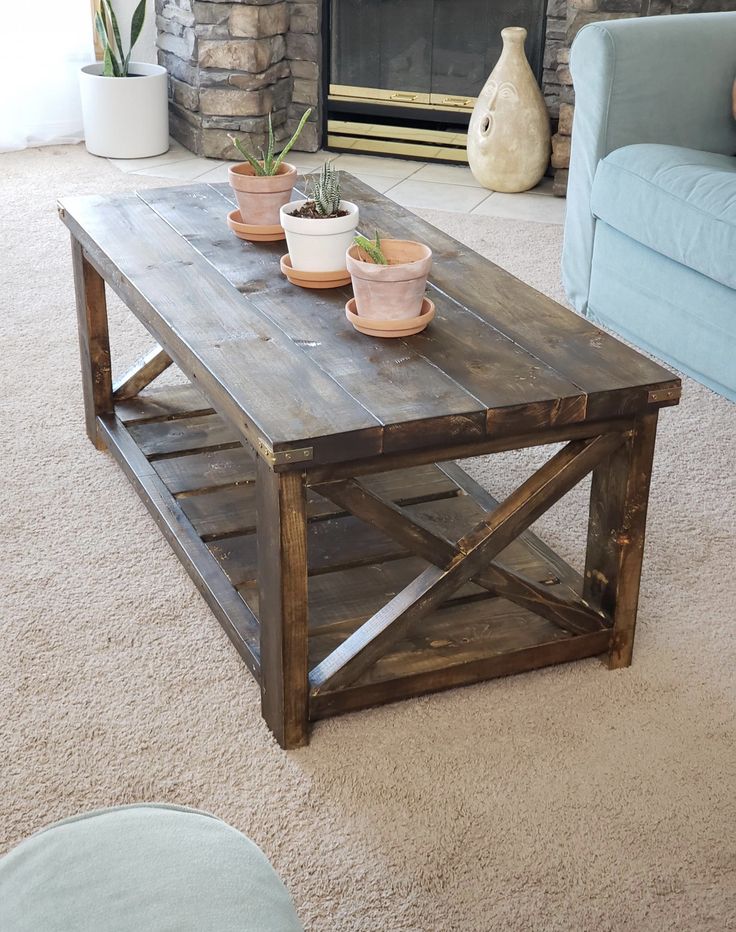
point(125, 118)
point(318, 245)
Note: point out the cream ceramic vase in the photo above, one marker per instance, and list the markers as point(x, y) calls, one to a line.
point(509, 134)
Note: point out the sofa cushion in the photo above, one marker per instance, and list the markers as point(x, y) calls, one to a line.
point(679, 202)
point(139, 867)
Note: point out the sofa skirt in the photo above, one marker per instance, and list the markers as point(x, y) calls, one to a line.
point(678, 315)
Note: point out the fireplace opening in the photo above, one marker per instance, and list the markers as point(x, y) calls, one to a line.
point(404, 75)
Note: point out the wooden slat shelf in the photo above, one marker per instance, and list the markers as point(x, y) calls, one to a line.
point(203, 498)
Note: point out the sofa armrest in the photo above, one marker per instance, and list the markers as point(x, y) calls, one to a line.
point(659, 79)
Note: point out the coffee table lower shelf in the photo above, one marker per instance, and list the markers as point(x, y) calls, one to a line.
point(198, 482)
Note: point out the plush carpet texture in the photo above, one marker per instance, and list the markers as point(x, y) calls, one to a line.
point(567, 799)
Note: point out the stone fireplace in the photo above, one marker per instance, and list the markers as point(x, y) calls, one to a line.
point(232, 62)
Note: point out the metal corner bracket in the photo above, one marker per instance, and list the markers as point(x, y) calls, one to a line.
point(664, 394)
point(283, 457)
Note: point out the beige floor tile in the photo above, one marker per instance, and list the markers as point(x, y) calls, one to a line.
point(189, 170)
point(434, 194)
point(176, 153)
point(379, 182)
point(308, 161)
point(448, 174)
point(544, 187)
point(216, 174)
point(374, 165)
point(540, 208)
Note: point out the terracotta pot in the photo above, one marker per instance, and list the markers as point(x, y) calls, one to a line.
point(394, 291)
point(261, 197)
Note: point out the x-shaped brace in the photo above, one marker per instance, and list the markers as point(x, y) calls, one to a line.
point(454, 564)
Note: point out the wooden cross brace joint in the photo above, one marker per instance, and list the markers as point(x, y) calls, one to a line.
point(452, 564)
point(141, 374)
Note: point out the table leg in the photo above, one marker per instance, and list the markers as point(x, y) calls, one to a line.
point(282, 601)
point(618, 512)
point(94, 342)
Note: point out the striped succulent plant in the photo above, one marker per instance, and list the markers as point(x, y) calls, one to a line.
point(325, 190)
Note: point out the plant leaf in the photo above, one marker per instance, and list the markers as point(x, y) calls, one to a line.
point(270, 140)
point(101, 31)
point(136, 24)
point(371, 249)
point(110, 13)
point(325, 190)
point(253, 162)
point(110, 67)
point(291, 142)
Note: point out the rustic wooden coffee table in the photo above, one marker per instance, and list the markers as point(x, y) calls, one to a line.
point(305, 478)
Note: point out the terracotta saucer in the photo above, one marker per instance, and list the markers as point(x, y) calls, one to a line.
point(314, 279)
point(253, 233)
point(390, 328)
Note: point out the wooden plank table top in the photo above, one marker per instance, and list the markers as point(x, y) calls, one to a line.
point(284, 366)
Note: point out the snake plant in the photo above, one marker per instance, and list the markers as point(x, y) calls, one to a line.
point(115, 63)
point(269, 163)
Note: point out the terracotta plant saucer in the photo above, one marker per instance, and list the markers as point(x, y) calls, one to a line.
point(390, 328)
point(253, 233)
point(314, 279)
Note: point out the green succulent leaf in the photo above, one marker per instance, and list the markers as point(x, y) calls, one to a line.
point(253, 162)
point(269, 165)
point(290, 143)
point(372, 248)
point(325, 190)
point(271, 142)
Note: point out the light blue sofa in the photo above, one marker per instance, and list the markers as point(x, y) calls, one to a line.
point(650, 234)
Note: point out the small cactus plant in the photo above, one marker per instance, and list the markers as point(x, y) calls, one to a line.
point(325, 191)
point(269, 163)
point(372, 249)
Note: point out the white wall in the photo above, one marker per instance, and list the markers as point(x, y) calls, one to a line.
point(145, 49)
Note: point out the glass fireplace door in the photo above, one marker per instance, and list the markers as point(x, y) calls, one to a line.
point(405, 74)
point(383, 48)
point(424, 52)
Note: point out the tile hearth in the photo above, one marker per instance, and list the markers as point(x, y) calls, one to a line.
point(410, 183)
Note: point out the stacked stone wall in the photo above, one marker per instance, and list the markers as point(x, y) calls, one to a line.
point(233, 63)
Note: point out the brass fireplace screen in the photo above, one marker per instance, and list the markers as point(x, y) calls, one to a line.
point(405, 74)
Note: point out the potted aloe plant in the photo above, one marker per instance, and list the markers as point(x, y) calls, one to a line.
point(125, 108)
point(320, 228)
point(389, 278)
point(262, 186)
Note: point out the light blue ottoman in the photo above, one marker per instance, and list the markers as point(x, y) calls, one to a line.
point(143, 867)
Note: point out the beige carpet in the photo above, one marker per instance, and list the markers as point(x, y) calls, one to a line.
point(570, 799)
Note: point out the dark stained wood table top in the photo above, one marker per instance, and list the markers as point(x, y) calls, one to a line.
point(285, 367)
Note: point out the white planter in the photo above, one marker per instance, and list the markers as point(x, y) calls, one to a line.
point(318, 245)
point(125, 118)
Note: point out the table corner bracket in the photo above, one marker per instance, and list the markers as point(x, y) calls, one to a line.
point(283, 457)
